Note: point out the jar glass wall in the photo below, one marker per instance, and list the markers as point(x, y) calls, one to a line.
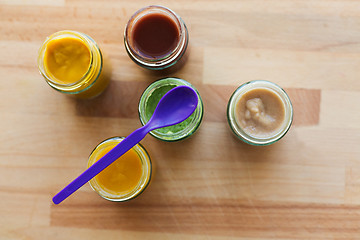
point(124, 179)
point(156, 37)
point(71, 62)
point(149, 101)
point(256, 125)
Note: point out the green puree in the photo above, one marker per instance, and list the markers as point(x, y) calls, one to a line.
point(152, 103)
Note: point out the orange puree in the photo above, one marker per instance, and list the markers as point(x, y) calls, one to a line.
point(67, 59)
point(123, 175)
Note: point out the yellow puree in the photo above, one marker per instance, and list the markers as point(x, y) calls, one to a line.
point(123, 175)
point(66, 59)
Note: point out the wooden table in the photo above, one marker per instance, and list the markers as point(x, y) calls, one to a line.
point(212, 185)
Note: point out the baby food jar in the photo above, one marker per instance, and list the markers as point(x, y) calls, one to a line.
point(155, 37)
point(259, 112)
point(72, 63)
point(125, 178)
point(149, 100)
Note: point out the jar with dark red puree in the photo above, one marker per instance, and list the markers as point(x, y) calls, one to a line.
point(156, 37)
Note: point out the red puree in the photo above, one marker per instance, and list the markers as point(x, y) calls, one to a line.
point(155, 35)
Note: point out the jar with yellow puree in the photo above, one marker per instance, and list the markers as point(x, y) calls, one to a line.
point(125, 178)
point(71, 62)
point(259, 112)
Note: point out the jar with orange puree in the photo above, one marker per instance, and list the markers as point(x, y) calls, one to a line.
point(125, 178)
point(72, 63)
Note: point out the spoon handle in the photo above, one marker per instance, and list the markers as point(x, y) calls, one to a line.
point(125, 145)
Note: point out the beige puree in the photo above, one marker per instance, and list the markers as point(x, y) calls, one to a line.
point(260, 112)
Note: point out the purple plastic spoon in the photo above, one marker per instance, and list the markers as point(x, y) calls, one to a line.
point(174, 107)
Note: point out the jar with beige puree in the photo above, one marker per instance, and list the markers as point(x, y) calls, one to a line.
point(71, 62)
point(259, 112)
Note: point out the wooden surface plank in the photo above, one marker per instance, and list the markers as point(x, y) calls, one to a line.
point(210, 186)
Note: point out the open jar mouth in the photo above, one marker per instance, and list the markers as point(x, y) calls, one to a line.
point(157, 61)
point(251, 138)
point(144, 180)
point(167, 134)
point(58, 35)
point(92, 73)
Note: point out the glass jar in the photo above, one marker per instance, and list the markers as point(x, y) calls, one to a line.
point(156, 51)
point(91, 82)
point(248, 133)
point(144, 172)
point(149, 100)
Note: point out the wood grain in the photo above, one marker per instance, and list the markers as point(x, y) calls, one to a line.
point(210, 186)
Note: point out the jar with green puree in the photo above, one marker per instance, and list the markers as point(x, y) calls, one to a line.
point(149, 100)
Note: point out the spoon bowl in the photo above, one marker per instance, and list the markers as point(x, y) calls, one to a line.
point(179, 103)
point(174, 107)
